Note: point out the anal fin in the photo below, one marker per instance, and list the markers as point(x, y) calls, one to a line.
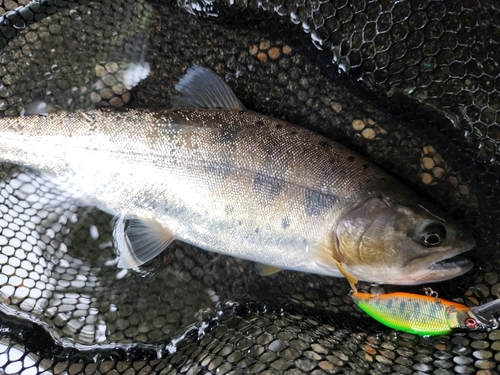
point(266, 270)
point(139, 240)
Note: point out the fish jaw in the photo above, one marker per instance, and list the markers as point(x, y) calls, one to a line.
point(418, 273)
point(421, 271)
point(443, 270)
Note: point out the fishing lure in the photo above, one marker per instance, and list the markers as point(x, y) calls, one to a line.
point(426, 315)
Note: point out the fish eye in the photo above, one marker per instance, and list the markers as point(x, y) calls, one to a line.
point(470, 323)
point(433, 235)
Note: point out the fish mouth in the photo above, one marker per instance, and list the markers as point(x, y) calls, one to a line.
point(444, 266)
point(443, 269)
point(454, 262)
point(419, 271)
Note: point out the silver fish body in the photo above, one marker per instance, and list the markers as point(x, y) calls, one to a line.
point(240, 183)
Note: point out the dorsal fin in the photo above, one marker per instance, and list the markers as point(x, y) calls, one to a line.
point(202, 88)
point(139, 240)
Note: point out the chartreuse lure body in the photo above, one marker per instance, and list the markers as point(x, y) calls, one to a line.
point(420, 315)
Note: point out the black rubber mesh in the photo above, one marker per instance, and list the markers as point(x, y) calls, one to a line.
point(411, 84)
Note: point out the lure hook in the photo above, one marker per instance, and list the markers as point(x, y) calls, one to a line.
point(431, 293)
point(494, 324)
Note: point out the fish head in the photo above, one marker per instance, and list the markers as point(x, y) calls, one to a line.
point(386, 242)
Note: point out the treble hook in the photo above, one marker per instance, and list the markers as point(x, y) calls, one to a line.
point(431, 293)
point(494, 323)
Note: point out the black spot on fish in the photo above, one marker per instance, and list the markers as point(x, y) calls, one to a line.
point(293, 132)
point(279, 126)
point(259, 123)
point(366, 166)
point(350, 158)
point(268, 149)
point(240, 222)
point(159, 117)
point(271, 146)
point(267, 188)
point(382, 179)
point(169, 159)
point(318, 203)
point(218, 172)
point(229, 210)
point(257, 230)
point(285, 223)
point(332, 161)
point(228, 135)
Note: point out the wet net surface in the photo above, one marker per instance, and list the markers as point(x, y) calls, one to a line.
point(412, 85)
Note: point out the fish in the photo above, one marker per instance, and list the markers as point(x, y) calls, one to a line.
point(425, 315)
point(216, 175)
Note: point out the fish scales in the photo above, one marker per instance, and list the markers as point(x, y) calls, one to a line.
point(236, 182)
point(178, 160)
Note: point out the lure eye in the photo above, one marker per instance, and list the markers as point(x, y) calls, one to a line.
point(433, 235)
point(470, 323)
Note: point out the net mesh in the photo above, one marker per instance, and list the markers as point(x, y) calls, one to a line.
point(411, 84)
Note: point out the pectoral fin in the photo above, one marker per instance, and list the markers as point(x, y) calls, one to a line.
point(139, 240)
